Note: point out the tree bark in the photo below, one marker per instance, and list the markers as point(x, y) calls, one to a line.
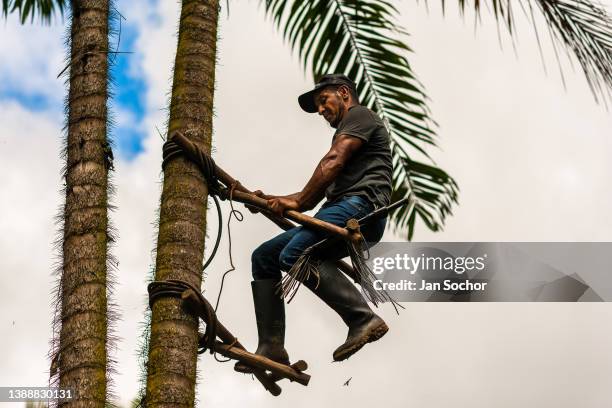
point(82, 355)
point(171, 367)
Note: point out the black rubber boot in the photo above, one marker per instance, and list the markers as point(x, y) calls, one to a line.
point(340, 294)
point(270, 316)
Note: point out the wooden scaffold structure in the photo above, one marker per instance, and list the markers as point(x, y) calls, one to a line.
point(217, 338)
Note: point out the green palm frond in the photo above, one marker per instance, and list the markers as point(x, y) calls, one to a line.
point(45, 9)
point(582, 27)
point(431, 190)
point(360, 39)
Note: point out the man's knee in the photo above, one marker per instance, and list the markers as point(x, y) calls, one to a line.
point(258, 255)
point(263, 261)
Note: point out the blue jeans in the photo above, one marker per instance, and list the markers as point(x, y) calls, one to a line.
point(282, 251)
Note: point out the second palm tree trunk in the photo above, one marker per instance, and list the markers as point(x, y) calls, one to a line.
point(81, 356)
point(171, 367)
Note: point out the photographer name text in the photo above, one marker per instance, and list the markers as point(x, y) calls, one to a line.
point(424, 285)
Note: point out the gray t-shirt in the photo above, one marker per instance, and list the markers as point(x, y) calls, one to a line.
point(368, 172)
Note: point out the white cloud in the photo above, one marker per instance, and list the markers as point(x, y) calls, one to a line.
point(29, 153)
point(32, 57)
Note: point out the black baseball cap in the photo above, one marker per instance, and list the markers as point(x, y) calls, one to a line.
point(306, 100)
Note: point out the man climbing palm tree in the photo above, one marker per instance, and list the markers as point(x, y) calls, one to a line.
point(355, 177)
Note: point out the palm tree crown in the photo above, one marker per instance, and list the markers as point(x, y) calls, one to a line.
point(44, 9)
point(362, 39)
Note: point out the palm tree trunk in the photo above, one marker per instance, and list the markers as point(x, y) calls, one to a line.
point(171, 367)
point(81, 359)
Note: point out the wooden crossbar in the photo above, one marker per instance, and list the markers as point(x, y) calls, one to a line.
point(230, 347)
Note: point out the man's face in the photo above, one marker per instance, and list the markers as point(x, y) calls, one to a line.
point(331, 103)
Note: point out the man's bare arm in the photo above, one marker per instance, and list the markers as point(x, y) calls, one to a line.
point(328, 169)
point(326, 172)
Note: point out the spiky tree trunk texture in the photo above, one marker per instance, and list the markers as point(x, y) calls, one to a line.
point(171, 367)
point(82, 357)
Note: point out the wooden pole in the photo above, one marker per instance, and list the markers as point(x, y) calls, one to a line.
point(255, 360)
point(298, 217)
point(299, 365)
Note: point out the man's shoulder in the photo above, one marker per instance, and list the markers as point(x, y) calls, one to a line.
point(363, 115)
point(361, 112)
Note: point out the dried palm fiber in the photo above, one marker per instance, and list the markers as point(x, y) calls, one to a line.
point(307, 265)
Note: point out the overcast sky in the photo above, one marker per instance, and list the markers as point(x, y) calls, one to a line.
point(531, 159)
